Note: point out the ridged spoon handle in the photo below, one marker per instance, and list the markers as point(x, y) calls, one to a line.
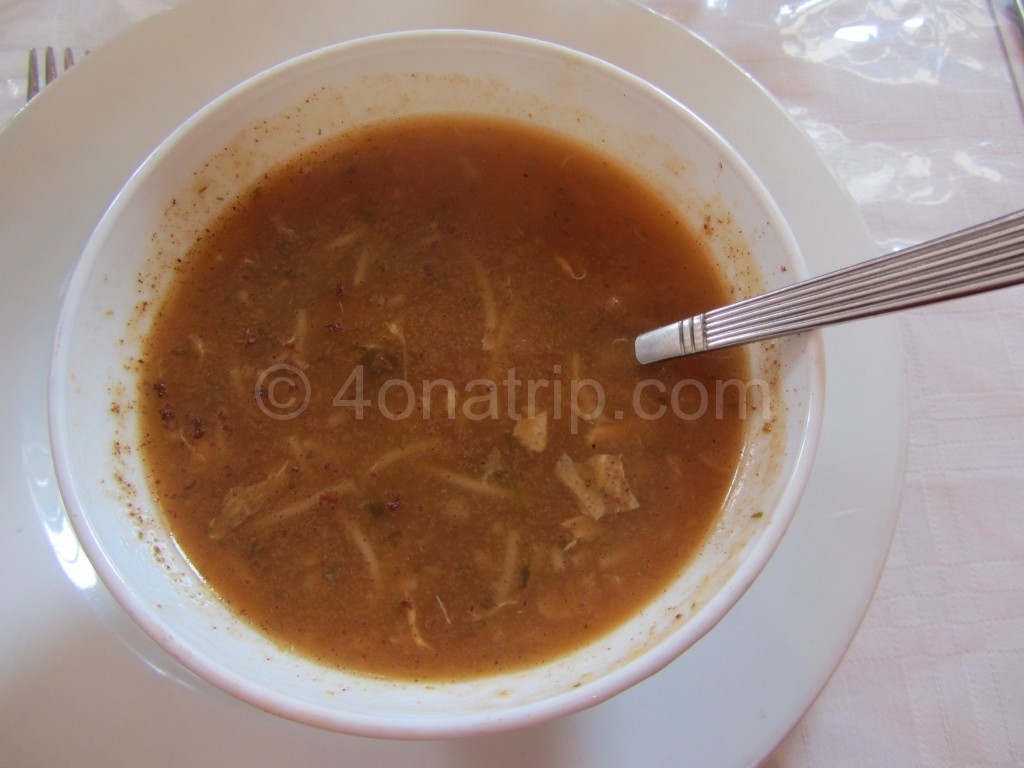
point(974, 260)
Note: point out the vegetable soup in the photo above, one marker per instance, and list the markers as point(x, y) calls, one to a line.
point(391, 409)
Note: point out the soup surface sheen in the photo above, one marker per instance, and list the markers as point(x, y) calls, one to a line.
point(391, 410)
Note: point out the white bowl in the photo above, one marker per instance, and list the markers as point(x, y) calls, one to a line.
point(212, 157)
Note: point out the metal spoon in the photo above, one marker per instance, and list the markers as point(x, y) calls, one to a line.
point(974, 260)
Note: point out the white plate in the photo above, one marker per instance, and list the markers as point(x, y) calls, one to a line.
point(80, 681)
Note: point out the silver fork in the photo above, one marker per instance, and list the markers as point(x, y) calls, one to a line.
point(49, 68)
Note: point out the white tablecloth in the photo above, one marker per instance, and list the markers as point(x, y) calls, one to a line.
point(915, 107)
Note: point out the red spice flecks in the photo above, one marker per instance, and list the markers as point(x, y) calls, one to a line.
point(160, 388)
point(198, 430)
point(333, 326)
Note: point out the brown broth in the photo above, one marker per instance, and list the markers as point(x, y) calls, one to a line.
point(479, 267)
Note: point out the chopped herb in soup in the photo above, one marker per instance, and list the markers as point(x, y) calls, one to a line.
point(391, 408)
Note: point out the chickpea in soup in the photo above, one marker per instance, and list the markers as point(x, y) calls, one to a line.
point(391, 409)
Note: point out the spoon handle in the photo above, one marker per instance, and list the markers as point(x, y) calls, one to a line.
point(981, 258)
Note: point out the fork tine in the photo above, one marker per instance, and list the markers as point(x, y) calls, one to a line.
point(33, 76)
point(51, 65)
point(50, 71)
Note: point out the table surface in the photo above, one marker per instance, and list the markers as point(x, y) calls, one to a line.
point(915, 106)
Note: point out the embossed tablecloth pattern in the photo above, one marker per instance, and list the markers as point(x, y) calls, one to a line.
point(914, 106)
